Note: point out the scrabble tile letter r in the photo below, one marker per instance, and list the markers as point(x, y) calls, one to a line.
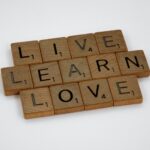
point(103, 66)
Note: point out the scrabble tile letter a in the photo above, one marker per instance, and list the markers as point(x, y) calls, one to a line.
point(75, 70)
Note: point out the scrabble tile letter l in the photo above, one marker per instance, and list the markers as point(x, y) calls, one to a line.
point(36, 103)
point(16, 79)
point(26, 53)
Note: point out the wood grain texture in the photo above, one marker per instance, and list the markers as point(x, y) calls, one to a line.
point(75, 73)
point(74, 70)
point(26, 53)
point(66, 98)
point(125, 90)
point(96, 94)
point(82, 45)
point(133, 63)
point(103, 66)
point(111, 41)
point(36, 103)
point(54, 49)
point(15, 79)
point(45, 74)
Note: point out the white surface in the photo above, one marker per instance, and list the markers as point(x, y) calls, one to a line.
point(119, 128)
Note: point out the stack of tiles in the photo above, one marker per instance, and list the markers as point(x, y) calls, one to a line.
point(76, 73)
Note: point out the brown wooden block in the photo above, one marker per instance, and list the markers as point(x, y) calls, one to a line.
point(16, 79)
point(54, 49)
point(26, 53)
point(125, 90)
point(36, 103)
point(73, 70)
point(66, 98)
point(103, 66)
point(46, 74)
point(82, 45)
point(133, 63)
point(96, 94)
point(110, 41)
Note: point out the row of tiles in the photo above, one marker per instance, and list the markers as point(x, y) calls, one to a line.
point(33, 52)
point(80, 96)
point(74, 70)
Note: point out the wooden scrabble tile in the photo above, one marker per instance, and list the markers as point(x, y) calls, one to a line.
point(133, 63)
point(36, 103)
point(103, 66)
point(96, 94)
point(16, 79)
point(73, 70)
point(125, 90)
point(82, 45)
point(110, 41)
point(26, 53)
point(46, 74)
point(54, 49)
point(66, 98)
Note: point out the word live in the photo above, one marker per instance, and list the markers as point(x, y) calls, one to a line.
point(76, 73)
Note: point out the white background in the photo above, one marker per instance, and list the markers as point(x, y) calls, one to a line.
point(119, 128)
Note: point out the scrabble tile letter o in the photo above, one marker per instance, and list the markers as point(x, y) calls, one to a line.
point(66, 98)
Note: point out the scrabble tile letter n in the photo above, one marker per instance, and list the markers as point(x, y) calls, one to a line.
point(110, 41)
point(133, 63)
point(16, 79)
point(26, 53)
